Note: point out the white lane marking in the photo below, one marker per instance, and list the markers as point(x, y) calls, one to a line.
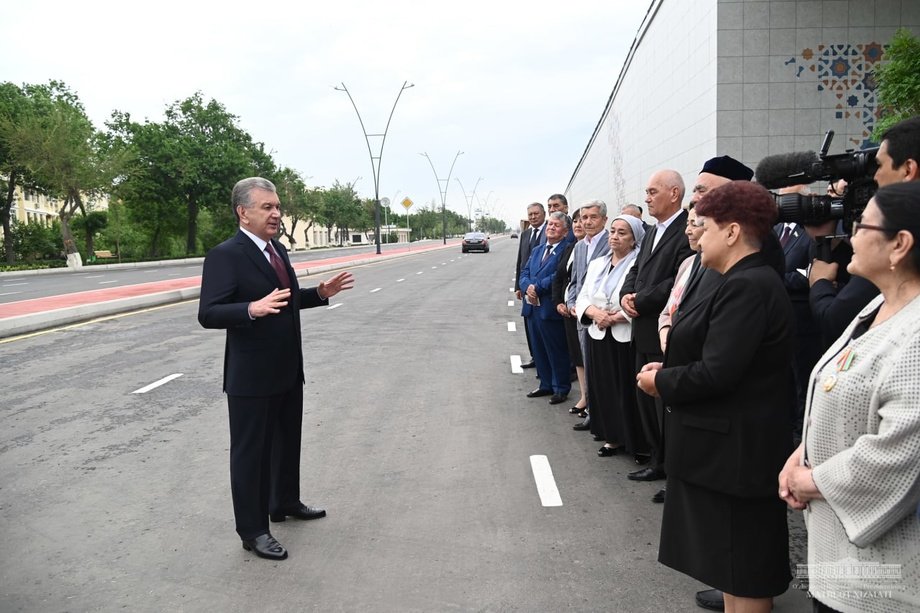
point(112, 281)
point(512, 327)
point(511, 303)
point(546, 484)
point(434, 268)
point(147, 272)
point(376, 289)
point(516, 365)
point(400, 280)
point(420, 272)
point(333, 306)
point(17, 279)
point(157, 384)
point(445, 263)
point(95, 276)
point(12, 284)
point(9, 293)
point(511, 289)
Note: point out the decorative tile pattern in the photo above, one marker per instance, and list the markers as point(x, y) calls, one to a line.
point(847, 73)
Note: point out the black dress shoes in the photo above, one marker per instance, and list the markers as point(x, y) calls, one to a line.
point(606, 452)
point(711, 599)
point(301, 511)
point(646, 474)
point(558, 398)
point(583, 425)
point(659, 496)
point(529, 364)
point(265, 546)
point(539, 392)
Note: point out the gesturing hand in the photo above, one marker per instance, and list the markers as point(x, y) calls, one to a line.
point(339, 283)
point(271, 304)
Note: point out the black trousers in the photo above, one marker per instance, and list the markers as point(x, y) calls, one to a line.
point(265, 438)
point(651, 415)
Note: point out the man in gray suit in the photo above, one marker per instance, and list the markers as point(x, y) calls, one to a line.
point(593, 245)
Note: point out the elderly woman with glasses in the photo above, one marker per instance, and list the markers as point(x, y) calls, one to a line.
point(857, 471)
point(725, 382)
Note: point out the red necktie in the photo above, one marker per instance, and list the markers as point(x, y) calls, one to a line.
point(278, 265)
point(546, 254)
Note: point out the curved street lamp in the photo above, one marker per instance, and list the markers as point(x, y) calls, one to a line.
point(442, 189)
point(469, 201)
point(375, 159)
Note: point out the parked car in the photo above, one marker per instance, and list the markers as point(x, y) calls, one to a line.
point(475, 241)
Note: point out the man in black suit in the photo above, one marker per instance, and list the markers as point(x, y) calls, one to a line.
point(644, 294)
point(249, 288)
point(530, 238)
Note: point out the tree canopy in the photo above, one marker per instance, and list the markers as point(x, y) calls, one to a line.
point(898, 81)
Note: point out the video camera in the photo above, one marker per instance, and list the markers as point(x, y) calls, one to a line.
point(856, 167)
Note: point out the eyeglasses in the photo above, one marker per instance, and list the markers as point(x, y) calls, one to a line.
point(857, 226)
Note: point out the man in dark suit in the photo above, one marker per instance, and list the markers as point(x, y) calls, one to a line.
point(644, 294)
point(249, 288)
point(530, 238)
point(550, 351)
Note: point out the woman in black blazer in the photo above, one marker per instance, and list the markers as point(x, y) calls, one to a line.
point(725, 382)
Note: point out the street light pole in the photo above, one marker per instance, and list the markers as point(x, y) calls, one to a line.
point(469, 201)
point(442, 189)
point(375, 160)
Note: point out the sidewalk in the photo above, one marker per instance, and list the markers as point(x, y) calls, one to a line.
point(27, 316)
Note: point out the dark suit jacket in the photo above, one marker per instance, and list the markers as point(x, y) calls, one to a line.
point(726, 382)
point(563, 275)
point(541, 274)
point(524, 251)
point(262, 357)
point(652, 278)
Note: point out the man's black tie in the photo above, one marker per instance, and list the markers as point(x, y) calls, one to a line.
point(278, 265)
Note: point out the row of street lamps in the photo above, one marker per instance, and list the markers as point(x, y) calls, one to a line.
point(443, 184)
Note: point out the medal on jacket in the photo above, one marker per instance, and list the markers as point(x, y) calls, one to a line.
point(843, 364)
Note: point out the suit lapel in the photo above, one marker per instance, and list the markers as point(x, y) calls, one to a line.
point(256, 257)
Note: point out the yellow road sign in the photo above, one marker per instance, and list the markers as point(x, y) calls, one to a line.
point(406, 202)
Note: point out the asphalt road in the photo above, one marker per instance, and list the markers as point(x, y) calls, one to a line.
point(17, 286)
point(417, 439)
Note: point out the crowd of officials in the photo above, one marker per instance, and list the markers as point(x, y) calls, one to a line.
point(715, 348)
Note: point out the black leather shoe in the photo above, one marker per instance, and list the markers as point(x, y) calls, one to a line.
point(711, 599)
point(539, 392)
point(606, 452)
point(582, 425)
point(529, 364)
point(646, 474)
point(641, 459)
point(558, 398)
point(301, 511)
point(265, 546)
point(659, 496)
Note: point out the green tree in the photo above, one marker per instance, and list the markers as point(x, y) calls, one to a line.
point(898, 80)
point(35, 241)
point(89, 225)
point(294, 200)
point(14, 105)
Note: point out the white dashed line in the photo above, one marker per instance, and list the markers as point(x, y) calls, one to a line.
point(511, 289)
point(12, 284)
point(512, 327)
point(434, 268)
point(112, 281)
point(516, 365)
point(95, 276)
point(546, 484)
point(9, 293)
point(333, 306)
point(444, 263)
point(511, 303)
point(376, 289)
point(400, 280)
point(420, 272)
point(157, 384)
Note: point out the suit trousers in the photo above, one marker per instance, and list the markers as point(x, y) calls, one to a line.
point(265, 439)
point(551, 355)
point(651, 415)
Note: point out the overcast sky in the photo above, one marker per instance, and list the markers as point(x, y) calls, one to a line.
point(517, 86)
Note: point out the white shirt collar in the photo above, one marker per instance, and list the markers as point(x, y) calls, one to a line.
point(261, 244)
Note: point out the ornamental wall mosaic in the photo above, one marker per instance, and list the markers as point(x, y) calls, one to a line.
point(845, 73)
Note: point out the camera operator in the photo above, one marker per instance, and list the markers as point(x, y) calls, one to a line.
point(836, 297)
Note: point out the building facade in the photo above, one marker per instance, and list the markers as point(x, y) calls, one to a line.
point(740, 78)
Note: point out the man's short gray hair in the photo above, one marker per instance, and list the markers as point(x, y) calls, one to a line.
point(242, 191)
point(600, 205)
point(565, 219)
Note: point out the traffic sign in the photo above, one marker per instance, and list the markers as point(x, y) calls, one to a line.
point(385, 202)
point(406, 202)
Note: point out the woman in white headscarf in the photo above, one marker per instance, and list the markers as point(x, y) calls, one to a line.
point(608, 354)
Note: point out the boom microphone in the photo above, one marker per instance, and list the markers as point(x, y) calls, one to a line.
point(798, 168)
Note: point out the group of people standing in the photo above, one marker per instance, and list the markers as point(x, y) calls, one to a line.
point(683, 337)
